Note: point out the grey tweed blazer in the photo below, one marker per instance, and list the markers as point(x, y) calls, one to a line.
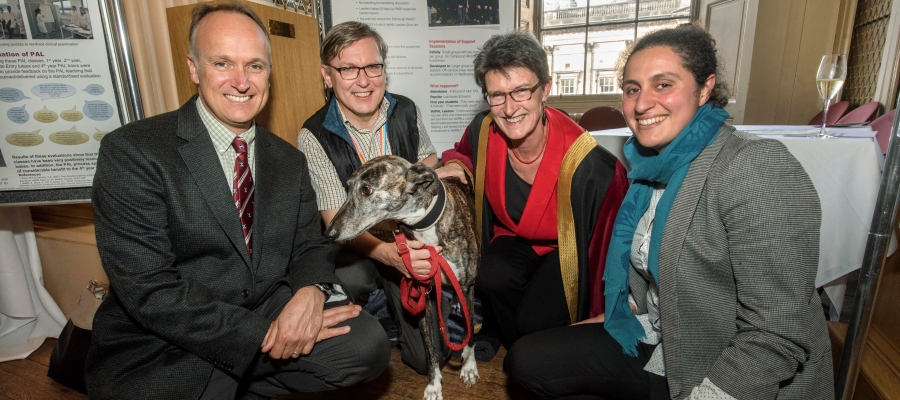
point(737, 267)
point(182, 283)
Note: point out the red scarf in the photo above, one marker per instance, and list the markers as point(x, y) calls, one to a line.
point(538, 222)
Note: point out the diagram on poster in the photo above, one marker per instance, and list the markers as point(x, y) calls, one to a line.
point(56, 102)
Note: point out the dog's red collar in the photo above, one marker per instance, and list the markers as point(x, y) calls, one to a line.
point(413, 290)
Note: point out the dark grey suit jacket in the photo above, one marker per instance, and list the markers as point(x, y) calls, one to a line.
point(737, 269)
point(170, 239)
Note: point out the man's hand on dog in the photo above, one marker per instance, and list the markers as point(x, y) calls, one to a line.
point(303, 323)
point(418, 255)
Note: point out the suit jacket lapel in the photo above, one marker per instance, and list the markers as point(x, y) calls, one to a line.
point(674, 235)
point(202, 161)
point(265, 180)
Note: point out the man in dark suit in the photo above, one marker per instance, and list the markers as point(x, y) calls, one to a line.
point(207, 228)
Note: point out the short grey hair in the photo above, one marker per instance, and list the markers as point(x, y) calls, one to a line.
point(511, 50)
point(203, 10)
point(343, 35)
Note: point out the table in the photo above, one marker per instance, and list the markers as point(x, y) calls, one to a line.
point(78, 32)
point(27, 312)
point(846, 173)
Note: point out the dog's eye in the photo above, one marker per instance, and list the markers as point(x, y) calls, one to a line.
point(366, 191)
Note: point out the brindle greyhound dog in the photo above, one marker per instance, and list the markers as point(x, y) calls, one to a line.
point(428, 209)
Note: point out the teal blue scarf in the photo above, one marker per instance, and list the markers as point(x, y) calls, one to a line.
point(648, 168)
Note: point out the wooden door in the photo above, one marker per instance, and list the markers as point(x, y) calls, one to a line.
point(296, 90)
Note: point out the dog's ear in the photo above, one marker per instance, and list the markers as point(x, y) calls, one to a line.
point(419, 177)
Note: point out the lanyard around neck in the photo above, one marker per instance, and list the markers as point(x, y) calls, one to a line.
point(382, 141)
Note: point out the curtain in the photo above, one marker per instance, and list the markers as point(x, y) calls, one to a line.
point(149, 36)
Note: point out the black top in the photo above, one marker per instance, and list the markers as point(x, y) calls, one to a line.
point(517, 191)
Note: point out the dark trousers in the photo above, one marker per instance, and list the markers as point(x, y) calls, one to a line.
point(361, 276)
point(524, 291)
point(358, 275)
point(582, 362)
point(358, 356)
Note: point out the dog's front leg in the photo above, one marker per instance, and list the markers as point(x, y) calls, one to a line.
point(426, 324)
point(469, 372)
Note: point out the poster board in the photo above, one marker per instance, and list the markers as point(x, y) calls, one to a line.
point(60, 93)
point(430, 55)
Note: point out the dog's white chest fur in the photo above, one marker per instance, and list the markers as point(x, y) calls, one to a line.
point(428, 236)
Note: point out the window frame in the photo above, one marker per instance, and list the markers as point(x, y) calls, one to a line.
point(539, 31)
point(605, 75)
point(63, 10)
point(562, 87)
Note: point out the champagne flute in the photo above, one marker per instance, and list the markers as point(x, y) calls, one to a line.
point(830, 80)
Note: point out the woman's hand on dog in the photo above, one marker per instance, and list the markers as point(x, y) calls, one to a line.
point(452, 169)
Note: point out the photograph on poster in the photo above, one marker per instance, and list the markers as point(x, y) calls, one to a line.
point(59, 20)
point(79, 23)
point(463, 12)
point(43, 19)
point(13, 20)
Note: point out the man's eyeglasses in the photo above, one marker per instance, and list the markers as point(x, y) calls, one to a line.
point(524, 94)
point(372, 71)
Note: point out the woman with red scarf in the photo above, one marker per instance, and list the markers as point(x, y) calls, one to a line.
point(546, 195)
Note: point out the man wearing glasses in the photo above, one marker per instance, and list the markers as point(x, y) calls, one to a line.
point(362, 121)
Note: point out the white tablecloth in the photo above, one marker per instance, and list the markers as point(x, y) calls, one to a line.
point(28, 314)
point(846, 173)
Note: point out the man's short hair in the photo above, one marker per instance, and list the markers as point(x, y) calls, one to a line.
point(203, 10)
point(343, 35)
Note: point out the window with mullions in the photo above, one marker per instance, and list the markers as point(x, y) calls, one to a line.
point(606, 82)
point(566, 86)
point(65, 7)
point(588, 35)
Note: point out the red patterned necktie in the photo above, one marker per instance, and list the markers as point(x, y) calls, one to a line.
point(242, 189)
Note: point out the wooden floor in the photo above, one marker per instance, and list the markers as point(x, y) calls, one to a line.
point(27, 379)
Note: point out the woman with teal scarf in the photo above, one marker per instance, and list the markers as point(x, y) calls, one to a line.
point(712, 262)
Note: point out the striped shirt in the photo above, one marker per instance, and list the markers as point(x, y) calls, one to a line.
point(330, 193)
point(222, 138)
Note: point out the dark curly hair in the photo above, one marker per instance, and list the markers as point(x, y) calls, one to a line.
point(510, 50)
point(697, 50)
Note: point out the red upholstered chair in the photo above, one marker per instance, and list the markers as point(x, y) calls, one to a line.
point(835, 112)
point(863, 113)
point(882, 127)
point(602, 117)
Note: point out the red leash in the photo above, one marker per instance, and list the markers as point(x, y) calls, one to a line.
point(413, 290)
